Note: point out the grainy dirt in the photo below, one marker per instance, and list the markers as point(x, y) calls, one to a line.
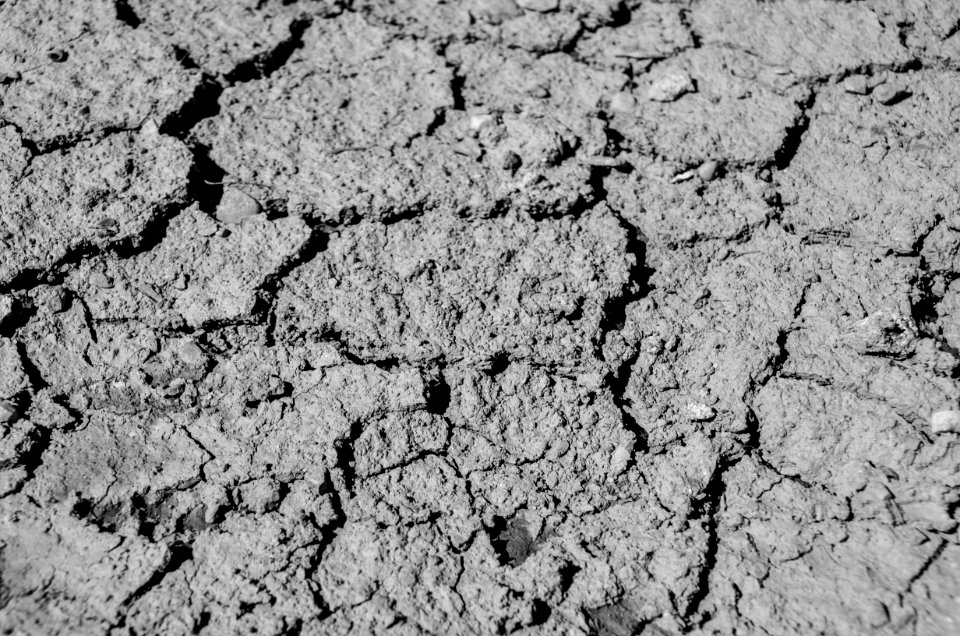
point(467, 317)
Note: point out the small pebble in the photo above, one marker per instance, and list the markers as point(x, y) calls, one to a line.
point(496, 11)
point(888, 95)
point(670, 87)
point(6, 307)
point(876, 614)
point(180, 282)
point(58, 301)
point(190, 353)
point(108, 227)
point(623, 102)
point(468, 148)
point(856, 84)
point(683, 176)
point(511, 161)
point(945, 422)
point(541, 6)
point(481, 120)
point(175, 389)
point(58, 55)
point(697, 412)
point(765, 176)
point(8, 412)
point(708, 170)
point(540, 92)
point(236, 205)
point(603, 162)
point(100, 280)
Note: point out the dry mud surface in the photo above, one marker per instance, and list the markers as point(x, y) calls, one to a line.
point(595, 317)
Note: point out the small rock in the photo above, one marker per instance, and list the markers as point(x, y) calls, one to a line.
point(9, 412)
point(108, 227)
point(260, 495)
point(876, 614)
point(697, 412)
point(541, 6)
point(945, 422)
point(765, 175)
point(856, 84)
point(175, 389)
point(58, 301)
point(623, 102)
point(468, 148)
point(180, 282)
point(683, 176)
point(100, 280)
point(708, 170)
point(885, 332)
point(5, 235)
point(236, 205)
point(539, 92)
point(481, 120)
point(888, 95)
point(496, 11)
point(670, 87)
point(6, 307)
point(190, 353)
point(511, 161)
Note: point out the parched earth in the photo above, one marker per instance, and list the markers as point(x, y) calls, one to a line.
point(467, 317)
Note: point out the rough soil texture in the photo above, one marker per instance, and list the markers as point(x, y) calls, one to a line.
point(597, 317)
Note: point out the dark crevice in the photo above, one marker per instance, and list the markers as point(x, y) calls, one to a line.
point(105, 516)
point(32, 458)
point(126, 14)
point(928, 563)
point(540, 612)
point(438, 394)
point(637, 286)
point(706, 510)
point(265, 64)
point(328, 534)
point(184, 58)
point(567, 573)
point(346, 460)
point(498, 364)
point(408, 213)
point(179, 554)
point(205, 180)
point(688, 25)
point(456, 87)
point(511, 539)
point(64, 143)
point(794, 136)
point(23, 310)
point(203, 104)
point(267, 297)
point(617, 381)
point(153, 233)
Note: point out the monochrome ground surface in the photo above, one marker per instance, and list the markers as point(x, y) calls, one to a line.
point(488, 316)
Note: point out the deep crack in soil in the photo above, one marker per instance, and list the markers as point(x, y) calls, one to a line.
point(482, 317)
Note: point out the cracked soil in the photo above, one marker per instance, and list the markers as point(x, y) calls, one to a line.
point(409, 317)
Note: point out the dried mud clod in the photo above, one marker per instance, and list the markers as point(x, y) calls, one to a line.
point(484, 317)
